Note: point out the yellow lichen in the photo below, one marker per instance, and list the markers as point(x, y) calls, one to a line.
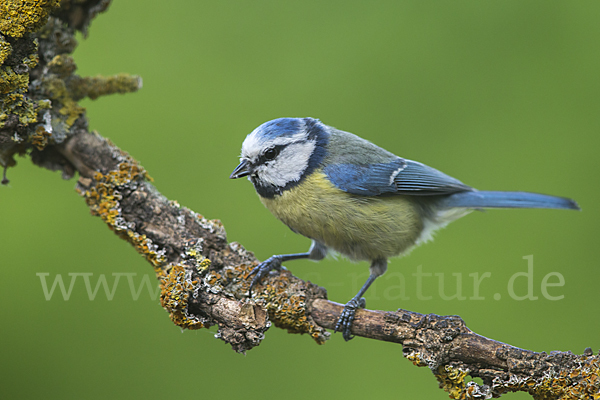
point(18, 17)
point(286, 309)
point(581, 383)
point(57, 90)
point(62, 65)
point(416, 359)
point(452, 380)
point(40, 138)
point(175, 291)
point(146, 248)
point(10, 81)
point(13, 86)
point(32, 59)
point(13, 101)
point(5, 49)
point(103, 199)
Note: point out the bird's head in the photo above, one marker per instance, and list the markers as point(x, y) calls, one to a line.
point(277, 155)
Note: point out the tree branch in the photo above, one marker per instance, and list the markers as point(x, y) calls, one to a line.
point(203, 278)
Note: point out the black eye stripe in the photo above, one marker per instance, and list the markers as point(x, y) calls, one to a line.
point(270, 154)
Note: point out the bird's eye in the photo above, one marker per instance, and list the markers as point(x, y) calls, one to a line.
point(271, 153)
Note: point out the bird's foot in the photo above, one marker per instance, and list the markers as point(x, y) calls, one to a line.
point(347, 316)
point(263, 269)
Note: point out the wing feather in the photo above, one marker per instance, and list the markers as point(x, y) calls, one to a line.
point(399, 176)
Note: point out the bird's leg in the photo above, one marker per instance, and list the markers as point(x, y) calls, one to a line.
point(344, 323)
point(271, 263)
point(317, 251)
point(5, 181)
point(347, 316)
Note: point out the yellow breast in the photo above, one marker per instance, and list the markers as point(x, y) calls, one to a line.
point(360, 227)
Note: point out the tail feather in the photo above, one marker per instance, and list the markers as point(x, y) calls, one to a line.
point(485, 199)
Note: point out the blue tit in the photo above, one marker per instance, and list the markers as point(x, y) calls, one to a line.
point(355, 198)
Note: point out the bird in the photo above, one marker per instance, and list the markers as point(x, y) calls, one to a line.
point(354, 198)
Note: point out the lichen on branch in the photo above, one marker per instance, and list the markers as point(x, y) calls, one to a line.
point(204, 278)
point(39, 90)
point(20, 17)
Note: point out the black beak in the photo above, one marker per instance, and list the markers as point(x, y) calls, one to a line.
point(241, 170)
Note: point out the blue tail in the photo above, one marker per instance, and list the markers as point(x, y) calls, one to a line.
point(477, 199)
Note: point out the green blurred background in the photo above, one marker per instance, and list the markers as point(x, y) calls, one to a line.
point(502, 95)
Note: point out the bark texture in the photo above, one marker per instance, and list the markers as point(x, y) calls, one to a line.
point(203, 277)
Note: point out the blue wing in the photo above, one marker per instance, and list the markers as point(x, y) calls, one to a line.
point(399, 176)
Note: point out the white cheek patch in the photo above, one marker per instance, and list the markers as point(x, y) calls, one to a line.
point(289, 165)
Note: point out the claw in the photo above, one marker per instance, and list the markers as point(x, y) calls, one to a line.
point(347, 317)
point(263, 269)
